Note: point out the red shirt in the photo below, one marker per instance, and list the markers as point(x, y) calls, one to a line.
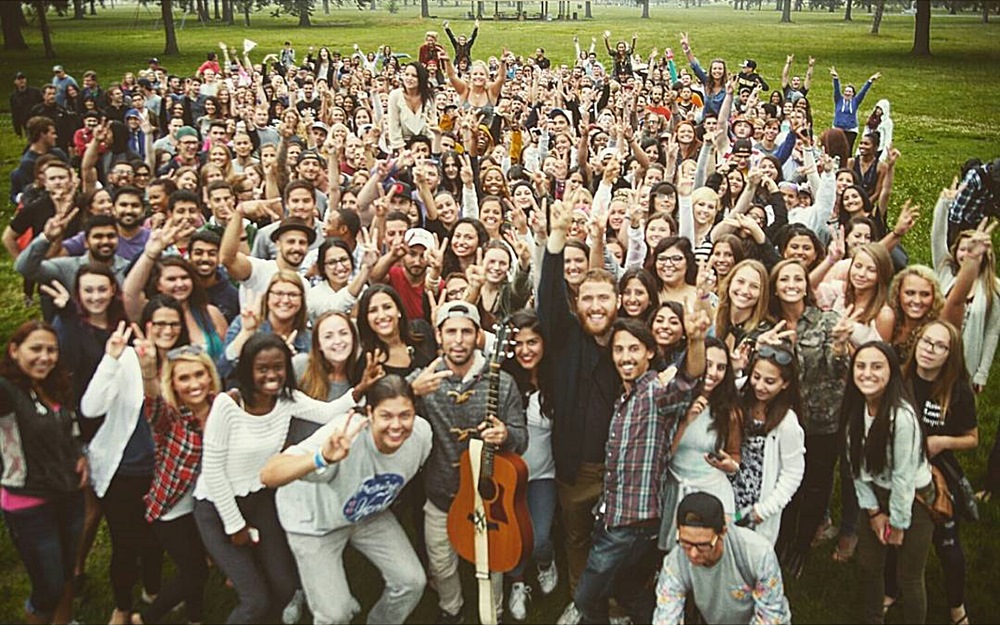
point(412, 296)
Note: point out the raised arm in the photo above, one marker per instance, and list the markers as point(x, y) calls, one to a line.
point(235, 261)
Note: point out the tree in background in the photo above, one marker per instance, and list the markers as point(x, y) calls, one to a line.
point(41, 8)
point(922, 30)
point(877, 20)
point(11, 17)
point(167, 13)
point(786, 11)
point(300, 8)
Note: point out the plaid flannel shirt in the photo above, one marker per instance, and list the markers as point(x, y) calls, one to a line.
point(177, 435)
point(638, 449)
point(973, 199)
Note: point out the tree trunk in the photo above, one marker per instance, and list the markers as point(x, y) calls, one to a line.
point(246, 14)
point(922, 30)
point(228, 12)
point(304, 20)
point(877, 20)
point(986, 13)
point(786, 11)
point(93, 10)
point(167, 15)
point(953, 8)
point(425, 9)
point(645, 9)
point(79, 11)
point(216, 2)
point(847, 12)
point(43, 23)
point(10, 21)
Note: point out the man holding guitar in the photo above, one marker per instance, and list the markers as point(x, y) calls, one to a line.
point(453, 394)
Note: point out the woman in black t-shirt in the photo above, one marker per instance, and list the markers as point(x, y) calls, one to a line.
point(946, 408)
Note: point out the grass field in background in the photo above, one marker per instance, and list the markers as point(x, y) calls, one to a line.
point(945, 110)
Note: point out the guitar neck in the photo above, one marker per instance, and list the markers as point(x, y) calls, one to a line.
point(492, 406)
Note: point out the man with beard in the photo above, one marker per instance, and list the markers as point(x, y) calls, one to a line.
point(292, 238)
point(585, 387)
point(59, 184)
point(128, 213)
point(404, 267)
point(203, 252)
point(100, 237)
point(453, 392)
point(300, 203)
point(643, 422)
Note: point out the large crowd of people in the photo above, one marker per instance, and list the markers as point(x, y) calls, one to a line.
point(272, 291)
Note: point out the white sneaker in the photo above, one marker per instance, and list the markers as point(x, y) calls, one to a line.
point(293, 611)
point(548, 578)
point(570, 616)
point(620, 620)
point(517, 603)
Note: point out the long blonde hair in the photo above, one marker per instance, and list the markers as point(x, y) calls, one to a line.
point(723, 320)
point(924, 273)
point(952, 373)
point(987, 277)
point(883, 267)
point(167, 374)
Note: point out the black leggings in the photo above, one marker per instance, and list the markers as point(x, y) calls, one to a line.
point(182, 541)
point(133, 544)
point(807, 508)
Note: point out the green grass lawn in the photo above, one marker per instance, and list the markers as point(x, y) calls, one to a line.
point(945, 109)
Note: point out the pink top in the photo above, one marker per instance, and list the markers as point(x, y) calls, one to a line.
point(12, 502)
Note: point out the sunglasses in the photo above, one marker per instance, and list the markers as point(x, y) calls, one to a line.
point(185, 350)
point(778, 355)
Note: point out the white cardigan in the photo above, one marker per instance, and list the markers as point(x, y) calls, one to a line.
point(784, 466)
point(116, 391)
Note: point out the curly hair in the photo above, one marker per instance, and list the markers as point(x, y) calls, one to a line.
point(901, 344)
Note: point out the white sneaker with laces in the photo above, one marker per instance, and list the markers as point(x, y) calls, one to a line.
point(517, 603)
point(548, 578)
point(293, 611)
point(570, 616)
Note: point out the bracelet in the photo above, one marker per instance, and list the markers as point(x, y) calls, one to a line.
point(878, 513)
point(319, 460)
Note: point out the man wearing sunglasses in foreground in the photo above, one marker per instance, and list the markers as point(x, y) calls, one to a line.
point(711, 557)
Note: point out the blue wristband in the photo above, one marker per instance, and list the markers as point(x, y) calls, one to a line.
point(319, 460)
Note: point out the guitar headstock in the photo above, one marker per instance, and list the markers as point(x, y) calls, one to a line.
point(504, 348)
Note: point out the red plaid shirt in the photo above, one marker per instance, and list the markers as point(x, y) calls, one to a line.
point(177, 435)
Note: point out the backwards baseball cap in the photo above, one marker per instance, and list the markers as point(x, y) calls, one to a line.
point(743, 147)
point(750, 63)
point(787, 184)
point(419, 236)
point(458, 309)
point(700, 510)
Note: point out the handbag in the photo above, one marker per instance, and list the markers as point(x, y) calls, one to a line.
point(937, 497)
point(962, 492)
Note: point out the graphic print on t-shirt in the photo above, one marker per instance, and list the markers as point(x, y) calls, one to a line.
point(374, 495)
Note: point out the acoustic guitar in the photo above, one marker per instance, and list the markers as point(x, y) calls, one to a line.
point(489, 523)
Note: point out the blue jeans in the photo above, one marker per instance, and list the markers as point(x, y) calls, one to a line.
point(46, 538)
point(542, 498)
point(622, 563)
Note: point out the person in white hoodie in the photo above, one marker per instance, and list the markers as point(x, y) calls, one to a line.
point(336, 489)
point(880, 121)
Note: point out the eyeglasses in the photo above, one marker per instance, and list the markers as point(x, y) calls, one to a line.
point(163, 325)
point(289, 295)
point(185, 350)
point(454, 294)
point(674, 260)
point(333, 262)
point(778, 355)
point(934, 346)
point(700, 547)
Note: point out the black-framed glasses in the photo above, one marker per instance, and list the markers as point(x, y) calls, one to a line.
point(185, 350)
point(674, 260)
point(333, 262)
point(705, 547)
point(781, 356)
point(934, 346)
point(163, 325)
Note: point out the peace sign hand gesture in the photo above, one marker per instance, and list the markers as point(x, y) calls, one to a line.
point(58, 293)
point(368, 241)
point(56, 225)
point(118, 340)
point(777, 335)
point(145, 350)
point(250, 313)
point(476, 273)
point(520, 248)
point(372, 373)
point(841, 332)
point(430, 378)
point(338, 445)
point(435, 255)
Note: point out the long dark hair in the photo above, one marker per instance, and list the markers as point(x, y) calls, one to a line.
point(451, 262)
point(527, 319)
point(56, 386)
point(788, 399)
point(423, 83)
point(244, 369)
point(116, 309)
point(647, 281)
point(165, 301)
point(726, 410)
point(870, 450)
point(691, 263)
point(369, 340)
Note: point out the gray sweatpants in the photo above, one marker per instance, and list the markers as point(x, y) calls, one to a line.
point(381, 540)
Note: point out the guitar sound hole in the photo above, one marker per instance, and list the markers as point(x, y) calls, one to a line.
point(487, 490)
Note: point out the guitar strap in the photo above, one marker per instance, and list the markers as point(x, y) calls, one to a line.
point(487, 611)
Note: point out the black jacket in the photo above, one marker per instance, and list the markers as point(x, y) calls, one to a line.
point(21, 103)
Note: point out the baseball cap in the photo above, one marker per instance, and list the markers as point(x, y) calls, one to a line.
point(19, 75)
point(458, 310)
point(132, 113)
point(700, 510)
point(187, 131)
point(787, 184)
point(321, 126)
point(555, 112)
point(419, 236)
point(750, 63)
point(742, 146)
point(312, 154)
point(57, 68)
point(294, 223)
